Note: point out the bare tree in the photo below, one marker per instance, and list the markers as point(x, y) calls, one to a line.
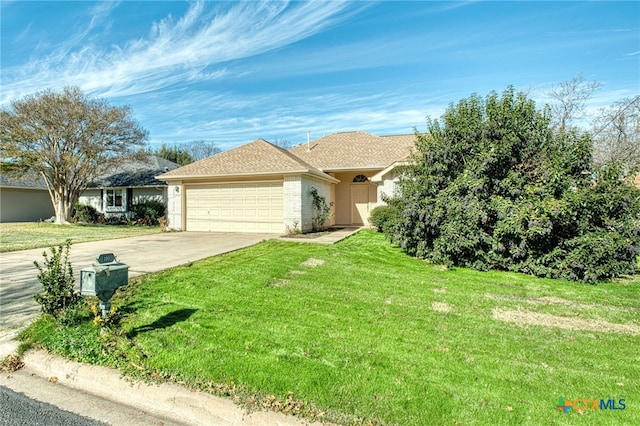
point(570, 98)
point(616, 134)
point(283, 143)
point(201, 149)
point(67, 138)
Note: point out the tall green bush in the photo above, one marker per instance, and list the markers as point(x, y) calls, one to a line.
point(56, 277)
point(493, 186)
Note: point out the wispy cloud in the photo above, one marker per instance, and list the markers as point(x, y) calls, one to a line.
point(230, 72)
point(175, 50)
point(228, 120)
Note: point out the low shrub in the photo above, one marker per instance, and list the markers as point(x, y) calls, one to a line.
point(87, 214)
point(148, 212)
point(383, 217)
point(56, 277)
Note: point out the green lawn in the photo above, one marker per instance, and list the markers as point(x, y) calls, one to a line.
point(28, 235)
point(358, 332)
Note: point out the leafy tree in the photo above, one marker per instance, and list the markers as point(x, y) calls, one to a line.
point(184, 154)
point(174, 153)
point(494, 186)
point(69, 139)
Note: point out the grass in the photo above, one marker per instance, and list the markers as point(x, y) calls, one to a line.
point(359, 333)
point(29, 235)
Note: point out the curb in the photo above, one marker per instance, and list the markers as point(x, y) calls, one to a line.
point(101, 394)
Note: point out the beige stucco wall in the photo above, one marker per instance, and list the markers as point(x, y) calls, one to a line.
point(24, 205)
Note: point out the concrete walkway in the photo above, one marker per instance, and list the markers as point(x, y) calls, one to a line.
point(327, 237)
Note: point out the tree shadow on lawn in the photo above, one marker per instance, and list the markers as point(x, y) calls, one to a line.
point(164, 321)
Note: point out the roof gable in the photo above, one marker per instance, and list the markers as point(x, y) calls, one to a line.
point(254, 158)
point(355, 150)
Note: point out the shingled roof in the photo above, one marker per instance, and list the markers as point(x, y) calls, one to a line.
point(29, 181)
point(139, 173)
point(255, 158)
point(355, 150)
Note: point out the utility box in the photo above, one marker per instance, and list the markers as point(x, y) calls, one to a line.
point(104, 277)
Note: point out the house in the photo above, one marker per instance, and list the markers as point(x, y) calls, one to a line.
point(260, 187)
point(24, 199)
point(131, 183)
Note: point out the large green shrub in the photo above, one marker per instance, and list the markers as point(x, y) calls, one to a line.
point(492, 186)
point(56, 277)
point(148, 212)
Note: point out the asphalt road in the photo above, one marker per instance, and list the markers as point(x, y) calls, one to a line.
point(17, 410)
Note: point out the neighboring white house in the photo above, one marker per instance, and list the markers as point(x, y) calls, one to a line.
point(131, 183)
point(260, 187)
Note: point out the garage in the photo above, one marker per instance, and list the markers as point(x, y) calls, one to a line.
point(235, 207)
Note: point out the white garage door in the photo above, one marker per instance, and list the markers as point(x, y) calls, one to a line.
point(247, 207)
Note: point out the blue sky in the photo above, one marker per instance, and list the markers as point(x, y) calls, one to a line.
point(232, 72)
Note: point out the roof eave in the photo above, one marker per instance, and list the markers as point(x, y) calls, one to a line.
point(36, 188)
point(378, 176)
point(311, 172)
point(323, 176)
point(349, 169)
point(229, 175)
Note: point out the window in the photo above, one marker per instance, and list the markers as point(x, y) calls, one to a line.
point(115, 198)
point(360, 179)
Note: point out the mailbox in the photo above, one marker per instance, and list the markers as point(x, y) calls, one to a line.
point(104, 277)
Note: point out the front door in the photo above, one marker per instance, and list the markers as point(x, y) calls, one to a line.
point(359, 203)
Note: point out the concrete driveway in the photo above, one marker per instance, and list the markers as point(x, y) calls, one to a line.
point(144, 254)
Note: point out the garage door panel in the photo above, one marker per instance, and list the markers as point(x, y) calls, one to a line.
point(252, 207)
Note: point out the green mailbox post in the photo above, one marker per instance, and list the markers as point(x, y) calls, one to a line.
point(103, 278)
